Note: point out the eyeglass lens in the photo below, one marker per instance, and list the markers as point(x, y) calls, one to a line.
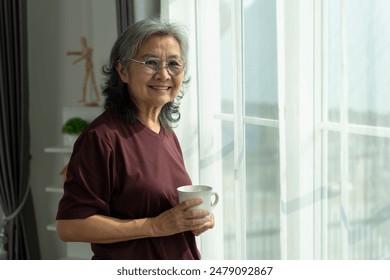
point(174, 66)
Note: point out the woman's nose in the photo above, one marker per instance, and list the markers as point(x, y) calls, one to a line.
point(163, 73)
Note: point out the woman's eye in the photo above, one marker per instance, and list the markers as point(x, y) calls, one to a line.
point(175, 63)
point(151, 62)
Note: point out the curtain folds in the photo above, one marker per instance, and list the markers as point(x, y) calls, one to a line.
point(15, 195)
point(130, 11)
point(124, 14)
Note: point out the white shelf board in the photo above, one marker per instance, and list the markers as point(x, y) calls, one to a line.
point(59, 150)
point(51, 227)
point(54, 189)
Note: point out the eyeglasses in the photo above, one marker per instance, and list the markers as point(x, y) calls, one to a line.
point(153, 65)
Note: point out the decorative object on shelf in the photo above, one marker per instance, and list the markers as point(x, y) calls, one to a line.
point(86, 54)
point(72, 129)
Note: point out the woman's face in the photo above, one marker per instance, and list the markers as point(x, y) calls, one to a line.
point(153, 90)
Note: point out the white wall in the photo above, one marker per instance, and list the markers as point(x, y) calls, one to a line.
point(55, 26)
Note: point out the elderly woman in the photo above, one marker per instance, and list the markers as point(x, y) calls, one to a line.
point(120, 192)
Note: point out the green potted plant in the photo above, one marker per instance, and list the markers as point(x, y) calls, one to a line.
point(72, 129)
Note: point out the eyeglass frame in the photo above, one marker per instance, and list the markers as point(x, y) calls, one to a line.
point(162, 64)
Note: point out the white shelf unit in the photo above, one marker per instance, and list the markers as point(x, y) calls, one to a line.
point(74, 250)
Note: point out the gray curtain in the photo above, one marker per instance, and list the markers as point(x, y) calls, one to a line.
point(16, 202)
point(130, 11)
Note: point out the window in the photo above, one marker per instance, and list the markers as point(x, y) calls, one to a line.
point(287, 118)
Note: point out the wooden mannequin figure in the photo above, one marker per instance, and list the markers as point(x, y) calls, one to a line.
point(86, 53)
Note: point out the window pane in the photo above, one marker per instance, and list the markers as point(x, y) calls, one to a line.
point(359, 219)
point(263, 192)
point(369, 197)
point(358, 30)
point(260, 60)
point(369, 60)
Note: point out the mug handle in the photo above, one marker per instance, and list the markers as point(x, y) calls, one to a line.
point(216, 198)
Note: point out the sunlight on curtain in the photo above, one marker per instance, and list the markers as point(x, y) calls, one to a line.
point(298, 192)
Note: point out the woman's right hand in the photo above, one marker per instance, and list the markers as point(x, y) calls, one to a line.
point(180, 219)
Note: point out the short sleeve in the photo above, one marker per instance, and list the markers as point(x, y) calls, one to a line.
point(90, 179)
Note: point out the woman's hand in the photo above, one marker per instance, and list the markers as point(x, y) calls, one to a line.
point(181, 219)
point(209, 225)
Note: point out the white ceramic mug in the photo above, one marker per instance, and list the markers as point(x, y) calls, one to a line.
point(195, 191)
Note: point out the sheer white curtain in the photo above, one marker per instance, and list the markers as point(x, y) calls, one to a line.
point(229, 127)
point(287, 117)
point(356, 128)
point(334, 136)
point(298, 207)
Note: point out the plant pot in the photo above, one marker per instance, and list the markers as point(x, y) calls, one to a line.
point(70, 139)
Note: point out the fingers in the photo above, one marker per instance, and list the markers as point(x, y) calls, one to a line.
point(192, 213)
point(196, 214)
point(181, 219)
point(196, 223)
point(209, 225)
point(178, 220)
point(189, 203)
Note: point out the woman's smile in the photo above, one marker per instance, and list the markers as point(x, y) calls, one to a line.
point(159, 87)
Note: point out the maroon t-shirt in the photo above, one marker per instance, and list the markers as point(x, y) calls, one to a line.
point(127, 171)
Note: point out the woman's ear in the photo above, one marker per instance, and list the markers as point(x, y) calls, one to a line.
point(122, 71)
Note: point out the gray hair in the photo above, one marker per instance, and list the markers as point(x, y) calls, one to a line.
point(130, 40)
point(125, 47)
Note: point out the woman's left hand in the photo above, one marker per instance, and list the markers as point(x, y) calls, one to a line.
point(207, 226)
